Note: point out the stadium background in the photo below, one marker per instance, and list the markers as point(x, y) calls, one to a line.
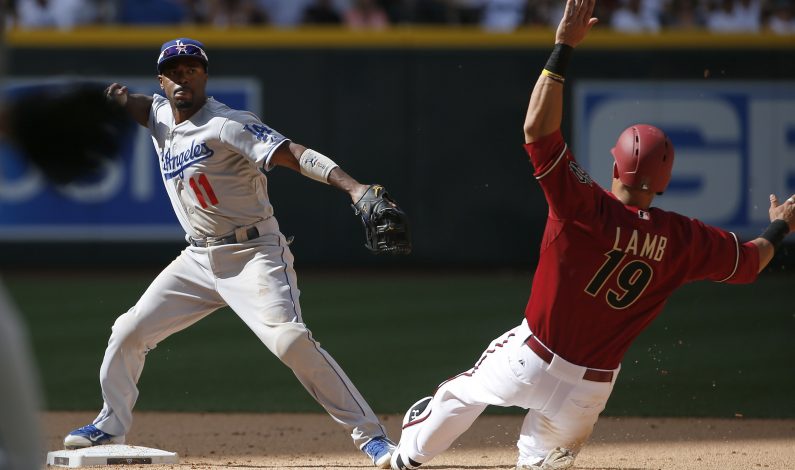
point(435, 115)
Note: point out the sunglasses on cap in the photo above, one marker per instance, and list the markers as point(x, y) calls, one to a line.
point(186, 50)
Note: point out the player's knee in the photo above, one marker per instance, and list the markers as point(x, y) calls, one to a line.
point(290, 342)
point(451, 392)
point(125, 330)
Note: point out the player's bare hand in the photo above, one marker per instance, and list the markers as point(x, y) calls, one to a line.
point(118, 93)
point(576, 22)
point(784, 211)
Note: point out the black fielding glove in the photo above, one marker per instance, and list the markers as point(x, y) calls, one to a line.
point(385, 224)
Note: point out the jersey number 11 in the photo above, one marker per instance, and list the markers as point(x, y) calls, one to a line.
point(208, 189)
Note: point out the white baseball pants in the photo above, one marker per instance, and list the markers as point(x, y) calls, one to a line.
point(256, 279)
point(562, 407)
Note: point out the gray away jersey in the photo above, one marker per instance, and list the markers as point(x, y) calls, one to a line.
point(212, 166)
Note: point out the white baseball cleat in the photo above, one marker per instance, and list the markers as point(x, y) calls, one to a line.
point(558, 458)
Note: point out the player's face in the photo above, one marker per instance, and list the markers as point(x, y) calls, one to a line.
point(184, 80)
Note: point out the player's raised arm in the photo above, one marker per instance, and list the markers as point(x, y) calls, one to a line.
point(138, 106)
point(545, 111)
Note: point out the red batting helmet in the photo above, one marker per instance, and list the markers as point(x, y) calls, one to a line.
point(644, 156)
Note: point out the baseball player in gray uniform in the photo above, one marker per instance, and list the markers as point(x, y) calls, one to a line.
point(213, 161)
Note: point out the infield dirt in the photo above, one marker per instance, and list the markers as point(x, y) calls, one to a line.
point(314, 441)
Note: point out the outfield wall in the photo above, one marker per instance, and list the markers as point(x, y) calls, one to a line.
point(436, 116)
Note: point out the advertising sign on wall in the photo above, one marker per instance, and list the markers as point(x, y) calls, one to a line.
point(734, 141)
point(127, 202)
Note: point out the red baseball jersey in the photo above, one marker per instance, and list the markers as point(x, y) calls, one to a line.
point(606, 269)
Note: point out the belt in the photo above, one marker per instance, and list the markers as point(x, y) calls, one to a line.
point(593, 375)
point(249, 234)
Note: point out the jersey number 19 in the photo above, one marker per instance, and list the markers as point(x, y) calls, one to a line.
point(632, 279)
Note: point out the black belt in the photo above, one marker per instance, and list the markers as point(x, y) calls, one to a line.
point(250, 234)
point(592, 375)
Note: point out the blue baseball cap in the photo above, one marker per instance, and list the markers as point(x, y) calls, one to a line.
point(182, 47)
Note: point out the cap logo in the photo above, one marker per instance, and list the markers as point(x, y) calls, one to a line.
point(181, 48)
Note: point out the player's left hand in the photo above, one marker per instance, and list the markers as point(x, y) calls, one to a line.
point(385, 224)
point(784, 211)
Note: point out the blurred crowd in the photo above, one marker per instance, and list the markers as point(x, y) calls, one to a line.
point(651, 16)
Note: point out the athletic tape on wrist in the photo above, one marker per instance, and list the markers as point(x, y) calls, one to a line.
point(559, 60)
point(315, 165)
point(553, 76)
point(775, 232)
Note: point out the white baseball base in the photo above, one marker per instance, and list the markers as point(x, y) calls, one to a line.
point(114, 454)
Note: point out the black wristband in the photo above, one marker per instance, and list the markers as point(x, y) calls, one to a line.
point(775, 232)
point(559, 59)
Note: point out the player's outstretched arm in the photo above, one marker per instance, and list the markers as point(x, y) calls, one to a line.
point(782, 222)
point(138, 106)
point(317, 166)
point(385, 224)
point(545, 111)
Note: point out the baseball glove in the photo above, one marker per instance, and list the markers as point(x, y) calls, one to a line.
point(385, 225)
point(67, 129)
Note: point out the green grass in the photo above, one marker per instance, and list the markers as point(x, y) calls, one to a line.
point(716, 350)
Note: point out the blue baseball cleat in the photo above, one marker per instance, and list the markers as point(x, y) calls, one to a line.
point(88, 436)
point(379, 449)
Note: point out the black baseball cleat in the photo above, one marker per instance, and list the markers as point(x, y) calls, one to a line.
point(417, 413)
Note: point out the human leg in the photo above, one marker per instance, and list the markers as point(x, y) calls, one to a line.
point(432, 424)
point(457, 403)
point(562, 418)
point(179, 296)
point(266, 297)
